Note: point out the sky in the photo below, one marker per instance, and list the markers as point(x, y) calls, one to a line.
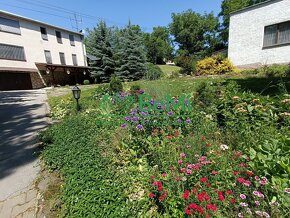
point(145, 13)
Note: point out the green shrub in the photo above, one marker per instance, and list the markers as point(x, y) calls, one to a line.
point(116, 84)
point(175, 74)
point(87, 82)
point(153, 72)
point(275, 70)
point(135, 88)
point(214, 65)
point(188, 63)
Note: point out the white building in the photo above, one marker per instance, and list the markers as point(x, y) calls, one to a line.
point(34, 54)
point(260, 34)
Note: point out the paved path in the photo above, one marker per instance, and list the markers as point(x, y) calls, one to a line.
point(22, 116)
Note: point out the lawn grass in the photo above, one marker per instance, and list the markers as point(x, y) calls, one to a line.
point(168, 69)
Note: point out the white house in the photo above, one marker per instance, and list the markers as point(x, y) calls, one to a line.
point(34, 54)
point(260, 34)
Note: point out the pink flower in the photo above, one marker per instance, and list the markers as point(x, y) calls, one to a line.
point(257, 203)
point(182, 155)
point(163, 174)
point(243, 204)
point(182, 170)
point(242, 196)
point(259, 213)
point(180, 161)
point(214, 172)
point(188, 172)
point(265, 214)
point(263, 182)
point(247, 183)
point(257, 178)
point(287, 190)
point(151, 195)
point(240, 215)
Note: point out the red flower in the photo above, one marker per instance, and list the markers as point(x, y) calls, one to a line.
point(151, 195)
point(221, 197)
point(169, 137)
point(241, 180)
point(235, 173)
point(194, 191)
point(212, 207)
point(250, 173)
point(187, 211)
point(162, 197)
point(243, 165)
point(208, 144)
point(229, 192)
point(186, 195)
point(178, 179)
point(233, 201)
point(197, 185)
point(200, 197)
point(196, 207)
point(208, 185)
point(203, 180)
point(160, 188)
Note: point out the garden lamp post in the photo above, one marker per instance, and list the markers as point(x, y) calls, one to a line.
point(77, 94)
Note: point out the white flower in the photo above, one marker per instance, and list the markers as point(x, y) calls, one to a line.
point(224, 147)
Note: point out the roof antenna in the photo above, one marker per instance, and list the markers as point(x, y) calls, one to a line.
point(75, 21)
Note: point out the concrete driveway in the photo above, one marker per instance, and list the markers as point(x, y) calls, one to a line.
point(22, 116)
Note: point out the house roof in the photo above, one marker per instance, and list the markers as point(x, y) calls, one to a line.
point(258, 5)
point(15, 16)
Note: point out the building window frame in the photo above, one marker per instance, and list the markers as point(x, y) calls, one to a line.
point(62, 58)
point(43, 32)
point(277, 31)
point(15, 59)
point(58, 36)
point(16, 26)
point(74, 59)
point(48, 58)
point(72, 39)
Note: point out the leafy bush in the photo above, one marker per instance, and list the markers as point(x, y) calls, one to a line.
point(175, 75)
point(153, 72)
point(214, 65)
point(279, 70)
point(87, 82)
point(188, 63)
point(116, 84)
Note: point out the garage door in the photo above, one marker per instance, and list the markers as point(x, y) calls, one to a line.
point(15, 81)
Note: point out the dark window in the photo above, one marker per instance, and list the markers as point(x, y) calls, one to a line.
point(72, 40)
point(74, 59)
point(43, 33)
point(12, 52)
point(10, 26)
point(58, 36)
point(277, 34)
point(62, 58)
point(48, 57)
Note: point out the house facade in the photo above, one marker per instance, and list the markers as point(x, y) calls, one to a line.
point(260, 35)
point(34, 54)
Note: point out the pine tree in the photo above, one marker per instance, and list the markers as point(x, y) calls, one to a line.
point(131, 54)
point(98, 44)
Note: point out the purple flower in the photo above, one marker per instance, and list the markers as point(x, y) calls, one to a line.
point(170, 113)
point(127, 119)
point(134, 119)
point(176, 101)
point(139, 127)
point(133, 112)
point(188, 121)
point(179, 120)
point(124, 125)
point(242, 196)
point(143, 113)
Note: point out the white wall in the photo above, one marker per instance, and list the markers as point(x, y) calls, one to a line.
point(247, 33)
point(34, 46)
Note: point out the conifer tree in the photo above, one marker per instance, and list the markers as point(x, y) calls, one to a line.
point(98, 44)
point(131, 54)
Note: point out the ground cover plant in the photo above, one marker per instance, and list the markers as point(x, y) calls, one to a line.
point(225, 155)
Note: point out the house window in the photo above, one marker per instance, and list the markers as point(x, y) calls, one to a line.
point(277, 34)
point(43, 33)
point(12, 52)
point(48, 57)
point(72, 40)
point(58, 36)
point(9, 26)
point(62, 58)
point(74, 59)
